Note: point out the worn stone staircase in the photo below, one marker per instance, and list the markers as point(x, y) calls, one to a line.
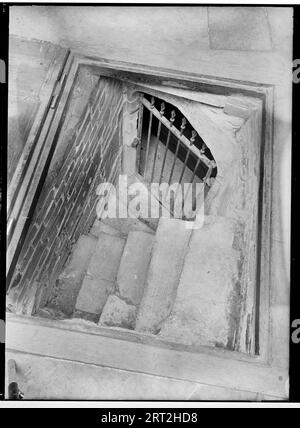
point(154, 276)
point(122, 274)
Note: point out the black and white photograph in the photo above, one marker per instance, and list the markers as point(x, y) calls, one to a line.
point(147, 204)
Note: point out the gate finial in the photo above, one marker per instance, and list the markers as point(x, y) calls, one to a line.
point(173, 114)
point(203, 148)
point(182, 127)
point(193, 137)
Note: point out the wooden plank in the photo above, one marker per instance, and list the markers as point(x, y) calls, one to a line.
point(33, 336)
point(46, 92)
point(181, 91)
point(37, 152)
point(270, 345)
point(38, 160)
point(34, 66)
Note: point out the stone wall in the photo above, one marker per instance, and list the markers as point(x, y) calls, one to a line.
point(66, 206)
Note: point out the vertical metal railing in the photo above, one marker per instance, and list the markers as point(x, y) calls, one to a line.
point(172, 119)
point(140, 130)
point(175, 142)
point(162, 109)
point(149, 131)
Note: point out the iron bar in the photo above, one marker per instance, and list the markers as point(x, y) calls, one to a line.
point(174, 161)
point(184, 166)
point(195, 169)
point(149, 133)
point(193, 177)
point(172, 119)
point(182, 127)
point(165, 155)
point(139, 132)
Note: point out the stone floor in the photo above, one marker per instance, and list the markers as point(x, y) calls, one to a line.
point(167, 31)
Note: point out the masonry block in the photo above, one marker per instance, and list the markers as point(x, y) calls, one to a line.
point(99, 227)
point(93, 295)
point(104, 263)
point(170, 246)
point(102, 271)
point(70, 280)
point(208, 300)
point(129, 160)
point(134, 266)
point(125, 225)
point(118, 313)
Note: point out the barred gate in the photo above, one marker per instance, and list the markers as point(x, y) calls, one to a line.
point(175, 141)
point(171, 151)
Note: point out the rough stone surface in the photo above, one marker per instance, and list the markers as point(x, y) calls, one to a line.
point(99, 227)
point(125, 31)
point(50, 313)
point(101, 274)
point(169, 250)
point(117, 313)
point(209, 284)
point(129, 156)
point(86, 316)
point(43, 378)
point(251, 33)
point(125, 225)
point(93, 296)
point(70, 280)
point(104, 263)
point(134, 266)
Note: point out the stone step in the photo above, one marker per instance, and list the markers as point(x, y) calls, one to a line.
point(170, 246)
point(99, 227)
point(134, 266)
point(100, 279)
point(151, 223)
point(69, 282)
point(118, 313)
point(208, 304)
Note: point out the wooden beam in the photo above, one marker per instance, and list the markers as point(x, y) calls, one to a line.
point(26, 194)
